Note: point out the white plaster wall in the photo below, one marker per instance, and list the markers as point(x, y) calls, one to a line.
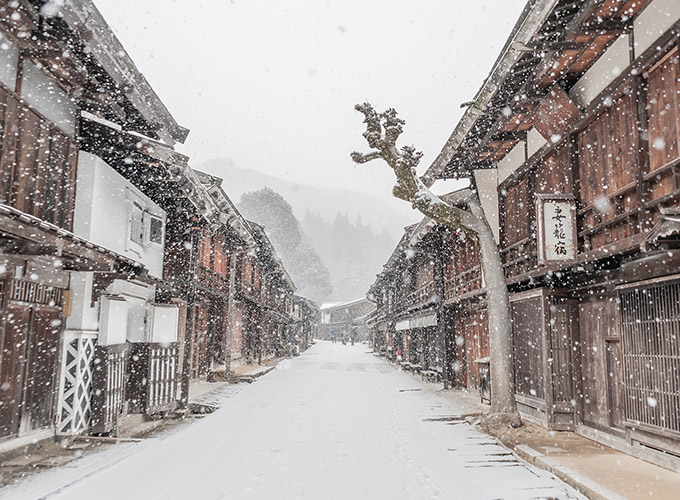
point(535, 141)
point(487, 187)
point(131, 289)
point(102, 212)
point(653, 22)
point(83, 317)
point(512, 161)
point(610, 65)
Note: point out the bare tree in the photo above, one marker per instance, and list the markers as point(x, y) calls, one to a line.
point(461, 210)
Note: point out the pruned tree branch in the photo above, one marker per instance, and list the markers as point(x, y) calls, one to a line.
point(382, 132)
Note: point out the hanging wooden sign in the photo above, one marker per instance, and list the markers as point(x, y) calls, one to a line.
point(556, 216)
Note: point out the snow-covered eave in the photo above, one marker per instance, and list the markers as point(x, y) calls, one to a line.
point(229, 214)
point(339, 305)
point(423, 229)
point(667, 228)
point(310, 303)
point(63, 235)
point(175, 163)
point(265, 244)
point(85, 19)
point(532, 18)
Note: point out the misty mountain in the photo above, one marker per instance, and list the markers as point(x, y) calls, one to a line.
point(304, 265)
point(325, 201)
point(352, 251)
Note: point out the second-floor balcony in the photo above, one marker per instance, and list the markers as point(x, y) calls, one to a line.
point(212, 279)
point(462, 283)
point(420, 297)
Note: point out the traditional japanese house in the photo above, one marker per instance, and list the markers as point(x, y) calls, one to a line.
point(466, 328)
point(386, 340)
point(306, 317)
point(340, 320)
point(579, 122)
point(221, 247)
point(418, 299)
point(264, 304)
point(89, 181)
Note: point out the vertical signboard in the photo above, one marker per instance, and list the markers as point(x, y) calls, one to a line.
point(556, 216)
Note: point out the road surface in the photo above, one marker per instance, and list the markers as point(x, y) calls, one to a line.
point(334, 423)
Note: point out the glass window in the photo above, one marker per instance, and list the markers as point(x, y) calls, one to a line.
point(155, 230)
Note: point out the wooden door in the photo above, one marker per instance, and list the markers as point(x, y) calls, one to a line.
point(40, 387)
point(14, 342)
point(598, 324)
point(614, 382)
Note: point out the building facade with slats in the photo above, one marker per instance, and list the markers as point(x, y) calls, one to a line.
point(572, 143)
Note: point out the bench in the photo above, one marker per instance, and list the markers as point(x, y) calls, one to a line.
point(433, 375)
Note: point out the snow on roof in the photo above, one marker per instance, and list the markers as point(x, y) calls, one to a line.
point(332, 305)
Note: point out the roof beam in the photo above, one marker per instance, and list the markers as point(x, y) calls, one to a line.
point(606, 27)
point(507, 136)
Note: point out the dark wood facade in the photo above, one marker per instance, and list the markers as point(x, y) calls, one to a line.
point(56, 110)
point(594, 341)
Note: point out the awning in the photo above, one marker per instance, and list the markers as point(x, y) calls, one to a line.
point(422, 321)
point(667, 229)
point(401, 325)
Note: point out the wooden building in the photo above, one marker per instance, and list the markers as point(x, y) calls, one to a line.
point(89, 177)
point(264, 293)
point(572, 142)
point(431, 306)
point(220, 249)
point(305, 327)
point(340, 320)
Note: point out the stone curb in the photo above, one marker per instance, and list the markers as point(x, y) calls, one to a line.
point(588, 487)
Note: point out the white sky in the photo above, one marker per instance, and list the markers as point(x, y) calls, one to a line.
point(272, 84)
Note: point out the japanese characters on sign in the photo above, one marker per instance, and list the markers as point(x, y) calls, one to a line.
point(557, 241)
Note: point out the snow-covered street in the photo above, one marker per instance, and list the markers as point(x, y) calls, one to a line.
point(336, 422)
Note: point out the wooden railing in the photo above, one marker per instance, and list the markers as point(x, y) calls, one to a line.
point(421, 296)
point(520, 257)
point(212, 279)
point(610, 218)
point(463, 283)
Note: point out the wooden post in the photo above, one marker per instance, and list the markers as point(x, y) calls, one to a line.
point(230, 311)
point(191, 314)
point(439, 293)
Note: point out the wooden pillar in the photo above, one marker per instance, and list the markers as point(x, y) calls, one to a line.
point(194, 237)
point(230, 310)
point(441, 319)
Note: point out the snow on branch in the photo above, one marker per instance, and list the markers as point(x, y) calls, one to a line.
point(382, 131)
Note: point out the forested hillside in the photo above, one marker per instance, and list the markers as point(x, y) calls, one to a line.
point(299, 257)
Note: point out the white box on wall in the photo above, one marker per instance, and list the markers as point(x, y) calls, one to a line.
point(113, 320)
point(162, 322)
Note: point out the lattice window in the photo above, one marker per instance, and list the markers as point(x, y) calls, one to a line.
point(650, 320)
point(35, 293)
point(76, 384)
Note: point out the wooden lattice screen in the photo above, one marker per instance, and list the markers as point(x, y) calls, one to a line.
point(650, 320)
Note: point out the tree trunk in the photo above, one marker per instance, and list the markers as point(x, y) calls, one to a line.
point(500, 324)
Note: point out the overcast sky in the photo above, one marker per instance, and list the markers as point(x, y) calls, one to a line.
point(272, 84)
